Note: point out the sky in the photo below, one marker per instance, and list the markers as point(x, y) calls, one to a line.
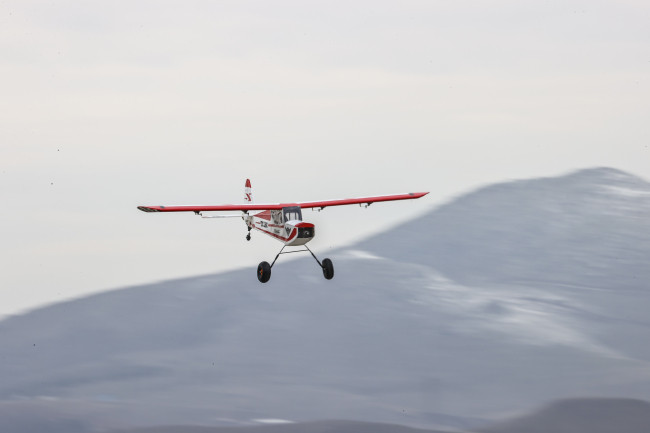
point(109, 105)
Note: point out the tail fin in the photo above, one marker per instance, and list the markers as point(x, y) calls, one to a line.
point(248, 194)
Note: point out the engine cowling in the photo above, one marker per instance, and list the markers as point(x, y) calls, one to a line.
point(299, 232)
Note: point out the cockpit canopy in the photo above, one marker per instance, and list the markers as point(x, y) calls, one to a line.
point(292, 213)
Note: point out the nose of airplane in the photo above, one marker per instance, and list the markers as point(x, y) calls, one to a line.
point(305, 232)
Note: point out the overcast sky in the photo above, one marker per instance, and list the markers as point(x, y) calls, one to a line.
point(108, 105)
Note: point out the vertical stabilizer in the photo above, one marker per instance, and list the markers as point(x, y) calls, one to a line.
point(248, 193)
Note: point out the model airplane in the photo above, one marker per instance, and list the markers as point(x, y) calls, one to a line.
point(281, 221)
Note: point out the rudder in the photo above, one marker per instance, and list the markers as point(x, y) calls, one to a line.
point(248, 193)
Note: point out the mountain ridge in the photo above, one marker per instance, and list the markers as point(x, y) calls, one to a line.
point(568, 211)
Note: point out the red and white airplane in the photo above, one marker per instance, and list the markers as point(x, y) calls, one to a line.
point(281, 221)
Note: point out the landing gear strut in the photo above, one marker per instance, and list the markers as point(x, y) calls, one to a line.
point(264, 269)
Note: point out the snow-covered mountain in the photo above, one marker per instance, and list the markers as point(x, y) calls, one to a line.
point(590, 228)
point(501, 300)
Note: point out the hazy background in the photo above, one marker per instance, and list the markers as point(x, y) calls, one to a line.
point(109, 105)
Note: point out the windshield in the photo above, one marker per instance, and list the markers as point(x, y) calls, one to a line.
point(292, 213)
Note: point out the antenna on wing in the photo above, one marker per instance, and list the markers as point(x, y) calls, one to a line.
point(248, 194)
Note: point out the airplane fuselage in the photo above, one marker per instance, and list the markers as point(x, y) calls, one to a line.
point(285, 225)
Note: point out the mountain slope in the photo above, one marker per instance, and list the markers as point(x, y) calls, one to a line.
point(595, 415)
point(587, 228)
point(429, 325)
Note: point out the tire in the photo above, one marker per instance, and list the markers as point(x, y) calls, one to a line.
point(328, 269)
point(263, 272)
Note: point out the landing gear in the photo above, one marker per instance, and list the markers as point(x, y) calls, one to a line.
point(248, 235)
point(264, 272)
point(264, 269)
point(328, 269)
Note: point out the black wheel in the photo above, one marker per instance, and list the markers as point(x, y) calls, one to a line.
point(328, 269)
point(264, 272)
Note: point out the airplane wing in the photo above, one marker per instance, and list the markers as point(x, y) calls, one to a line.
point(261, 207)
point(218, 208)
point(362, 200)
